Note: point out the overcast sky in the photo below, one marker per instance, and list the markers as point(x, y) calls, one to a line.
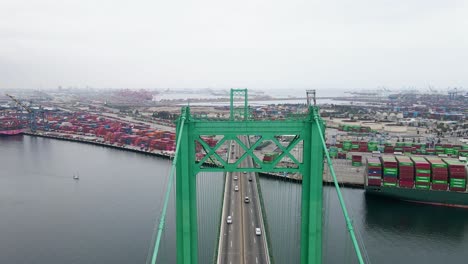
point(242, 43)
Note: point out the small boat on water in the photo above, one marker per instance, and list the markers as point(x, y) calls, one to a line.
point(76, 176)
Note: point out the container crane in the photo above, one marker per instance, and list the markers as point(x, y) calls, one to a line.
point(31, 112)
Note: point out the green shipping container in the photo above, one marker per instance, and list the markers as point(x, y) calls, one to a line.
point(439, 181)
point(461, 181)
point(422, 179)
point(410, 164)
point(423, 171)
point(372, 148)
point(346, 146)
point(356, 164)
point(426, 187)
point(390, 184)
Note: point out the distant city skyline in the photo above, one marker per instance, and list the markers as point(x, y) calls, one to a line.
point(257, 44)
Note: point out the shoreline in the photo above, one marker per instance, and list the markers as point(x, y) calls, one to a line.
point(169, 157)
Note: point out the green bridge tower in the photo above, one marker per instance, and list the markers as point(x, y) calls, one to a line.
point(305, 132)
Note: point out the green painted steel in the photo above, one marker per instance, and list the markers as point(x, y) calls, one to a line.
point(304, 130)
point(186, 203)
point(235, 112)
point(349, 223)
point(311, 224)
point(168, 192)
point(307, 130)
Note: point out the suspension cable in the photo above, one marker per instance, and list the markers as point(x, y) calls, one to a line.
point(349, 223)
point(168, 191)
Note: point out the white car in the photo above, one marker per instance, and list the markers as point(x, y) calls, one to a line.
point(258, 231)
point(229, 219)
point(236, 188)
point(235, 178)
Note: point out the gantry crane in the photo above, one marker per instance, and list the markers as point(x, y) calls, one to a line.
point(31, 113)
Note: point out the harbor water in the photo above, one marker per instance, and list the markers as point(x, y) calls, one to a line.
point(109, 215)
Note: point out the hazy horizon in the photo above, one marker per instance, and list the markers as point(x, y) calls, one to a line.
point(259, 44)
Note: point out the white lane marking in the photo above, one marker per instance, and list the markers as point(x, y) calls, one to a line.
point(256, 260)
point(251, 211)
point(255, 240)
point(252, 223)
point(231, 243)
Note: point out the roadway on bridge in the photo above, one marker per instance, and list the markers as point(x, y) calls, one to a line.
point(238, 241)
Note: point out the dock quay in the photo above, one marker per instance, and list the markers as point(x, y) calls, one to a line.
point(347, 175)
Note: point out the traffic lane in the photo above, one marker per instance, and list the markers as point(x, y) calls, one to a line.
point(251, 223)
point(259, 246)
point(252, 242)
point(236, 227)
point(246, 221)
point(231, 243)
point(226, 234)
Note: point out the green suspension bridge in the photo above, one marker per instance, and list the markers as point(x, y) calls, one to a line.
point(243, 232)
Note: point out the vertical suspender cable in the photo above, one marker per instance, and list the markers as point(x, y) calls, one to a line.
point(168, 192)
point(349, 223)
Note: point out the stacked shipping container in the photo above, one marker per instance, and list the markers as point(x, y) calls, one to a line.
point(405, 172)
point(418, 172)
point(390, 171)
point(422, 173)
point(439, 173)
point(457, 175)
point(374, 172)
point(356, 160)
point(269, 157)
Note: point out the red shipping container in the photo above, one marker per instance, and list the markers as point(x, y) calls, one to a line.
point(423, 175)
point(374, 182)
point(457, 169)
point(406, 178)
point(357, 158)
point(454, 189)
point(458, 175)
point(440, 177)
point(406, 184)
point(390, 179)
point(439, 186)
point(406, 173)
